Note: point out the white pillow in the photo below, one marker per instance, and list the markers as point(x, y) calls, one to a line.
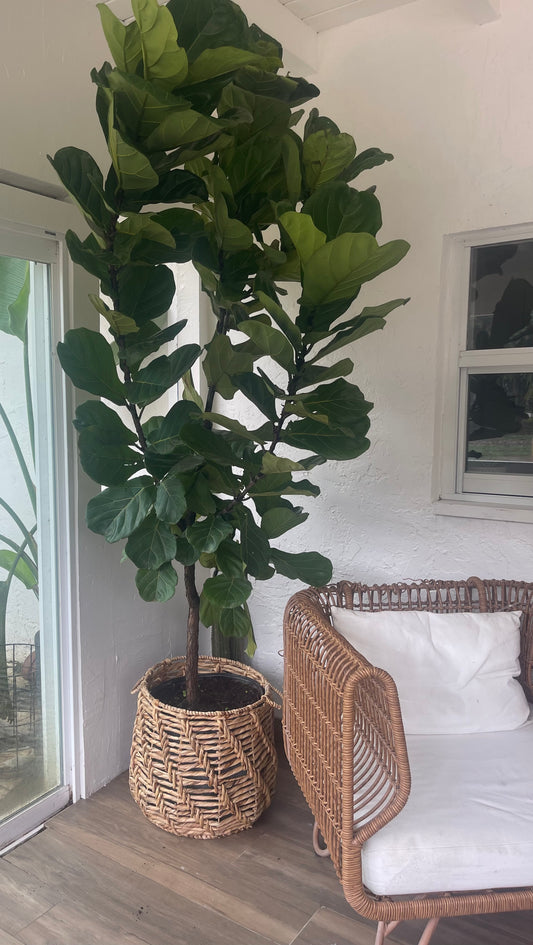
point(454, 672)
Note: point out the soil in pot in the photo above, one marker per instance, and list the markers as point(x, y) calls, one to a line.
point(217, 692)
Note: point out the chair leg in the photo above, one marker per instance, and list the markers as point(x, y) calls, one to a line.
point(385, 928)
point(320, 851)
point(428, 931)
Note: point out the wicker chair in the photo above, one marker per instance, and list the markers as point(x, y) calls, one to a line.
point(343, 727)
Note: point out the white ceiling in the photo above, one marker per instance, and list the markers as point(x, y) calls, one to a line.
point(324, 14)
point(320, 15)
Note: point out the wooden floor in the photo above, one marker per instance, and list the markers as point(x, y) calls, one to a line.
point(101, 873)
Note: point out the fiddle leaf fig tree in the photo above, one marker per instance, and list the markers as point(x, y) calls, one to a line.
point(206, 165)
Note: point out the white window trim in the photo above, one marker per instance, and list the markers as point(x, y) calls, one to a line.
point(454, 364)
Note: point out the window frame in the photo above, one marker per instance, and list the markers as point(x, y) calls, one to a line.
point(455, 491)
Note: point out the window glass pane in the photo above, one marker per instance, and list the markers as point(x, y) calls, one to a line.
point(30, 755)
point(501, 296)
point(500, 424)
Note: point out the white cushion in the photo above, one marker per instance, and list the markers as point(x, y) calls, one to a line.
point(468, 822)
point(454, 672)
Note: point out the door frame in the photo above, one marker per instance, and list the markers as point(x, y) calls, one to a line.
point(24, 233)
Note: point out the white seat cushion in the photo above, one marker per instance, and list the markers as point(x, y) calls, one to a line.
point(454, 672)
point(468, 822)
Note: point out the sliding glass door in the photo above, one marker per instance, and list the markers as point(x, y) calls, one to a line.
point(32, 765)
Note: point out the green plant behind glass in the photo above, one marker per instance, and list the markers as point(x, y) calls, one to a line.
point(17, 558)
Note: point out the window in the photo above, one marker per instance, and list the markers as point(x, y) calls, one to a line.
point(34, 767)
point(484, 454)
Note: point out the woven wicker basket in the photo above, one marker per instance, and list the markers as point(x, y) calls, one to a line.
point(202, 774)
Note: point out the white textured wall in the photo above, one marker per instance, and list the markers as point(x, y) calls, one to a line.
point(452, 102)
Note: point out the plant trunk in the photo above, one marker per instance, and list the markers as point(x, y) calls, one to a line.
point(193, 627)
point(229, 648)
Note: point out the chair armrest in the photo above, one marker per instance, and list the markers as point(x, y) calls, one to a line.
point(343, 731)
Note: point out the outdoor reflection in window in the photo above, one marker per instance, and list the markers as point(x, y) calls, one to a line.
point(500, 423)
point(501, 296)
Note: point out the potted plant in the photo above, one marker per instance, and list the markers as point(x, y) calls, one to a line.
point(197, 117)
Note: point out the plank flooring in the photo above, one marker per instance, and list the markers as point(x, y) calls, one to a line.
point(101, 873)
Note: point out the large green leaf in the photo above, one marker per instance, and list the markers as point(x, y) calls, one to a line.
point(309, 566)
point(371, 319)
point(221, 479)
point(226, 592)
point(336, 208)
point(180, 128)
point(281, 318)
point(98, 417)
point(178, 186)
point(364, 161)
point(170, 503)
point(185, 553)
point(92, 257)
point(81, 176)
point(338, 269)
point(313, 374)
point(155, 379)
point(290, 154)
point(249, 165)
point(235, 427)
point(277, 521)
point(227, 59)
point(164, 61)
point(212, 446)
point(104, 444)
point(291, 89)
point(142, 229)
point(304, 234)
point(124, 41)
point(325, 156)
point(14, 295)
point(145, 292)
point(88, 360)
point(229, 558)
point(149, 339)
point(270, 342)
point(255, 546)
point(208, 24)
point(120, 325)
point(116, 512)
point(157, 585)
point(199, 494)
point(24, 571)
point(207, 535)
point(166, 436)
point(222, 362)
point(232, 235)
point(235, 622)
point(278, 484)
point(151, 544)
point(256, 390)
point(109, 464)
point(184, 225)
point(328, 442)
point(341, 402)
point(132, 167)
point(140, 106)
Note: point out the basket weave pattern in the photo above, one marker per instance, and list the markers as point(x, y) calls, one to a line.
point(202, 774)
point(344, 735)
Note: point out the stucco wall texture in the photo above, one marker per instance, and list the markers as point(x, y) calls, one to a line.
point(449, 98)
